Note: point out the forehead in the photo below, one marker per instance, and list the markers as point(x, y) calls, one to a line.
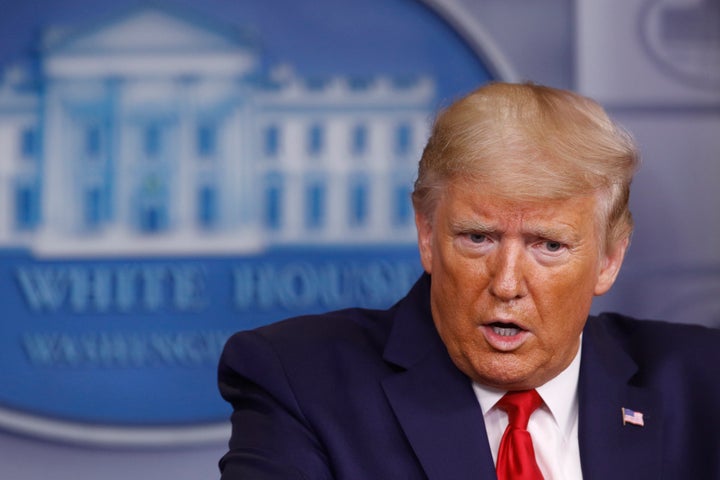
point(466, 205)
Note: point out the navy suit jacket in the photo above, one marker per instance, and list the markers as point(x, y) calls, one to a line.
point(373, 395)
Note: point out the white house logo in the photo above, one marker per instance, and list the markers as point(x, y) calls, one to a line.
point(683, 37)
point(161, 186)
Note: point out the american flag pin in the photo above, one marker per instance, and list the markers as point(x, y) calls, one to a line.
point(632, 417)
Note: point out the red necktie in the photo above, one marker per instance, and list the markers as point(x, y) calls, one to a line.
point(516, 456)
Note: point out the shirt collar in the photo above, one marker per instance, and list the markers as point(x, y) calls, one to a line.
point(559, 394)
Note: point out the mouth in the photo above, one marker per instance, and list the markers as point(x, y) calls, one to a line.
point(505, 336)
point(506, 329)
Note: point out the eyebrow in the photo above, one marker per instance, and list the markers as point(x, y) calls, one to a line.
point(561, 234)
point(472, 226)
point(567, 235)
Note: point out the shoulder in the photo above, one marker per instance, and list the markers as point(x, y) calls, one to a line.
point(654, 333)
point(309, 343)
point(350, 326)
point(661, 348)
point(309, 365)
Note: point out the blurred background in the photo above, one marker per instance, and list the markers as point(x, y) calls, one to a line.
point(172, 172)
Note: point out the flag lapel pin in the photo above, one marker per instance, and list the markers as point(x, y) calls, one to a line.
point(632, 417)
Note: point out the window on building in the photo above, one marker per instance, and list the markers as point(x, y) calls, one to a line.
point(360, 83)
point(93, 207)
point(315, 139)
point(402, 212)
point(29, 142)
point(317, 83)
point(358, 202)
point(92, 141)
point(403, 139)
point(273, 202)
point(26, 207)
point(152, 140)
point(153, 218)
point(153, 204)
point(359, 140)
point(315, 205)
point(206, 140)
point(272, 141)
point(207, 207)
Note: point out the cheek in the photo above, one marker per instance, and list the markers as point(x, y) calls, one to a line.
point(456, 294)
point(462, 283)
point(566, 301)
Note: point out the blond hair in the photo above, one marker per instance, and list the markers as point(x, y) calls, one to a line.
point(528, 142)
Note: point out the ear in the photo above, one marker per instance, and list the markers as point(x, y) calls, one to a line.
point(610, 267)
point(424, 231)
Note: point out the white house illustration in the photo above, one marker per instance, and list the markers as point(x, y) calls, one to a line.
point(158, 132)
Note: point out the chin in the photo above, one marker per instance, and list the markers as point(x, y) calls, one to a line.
point(504, 376)
point(509, 384)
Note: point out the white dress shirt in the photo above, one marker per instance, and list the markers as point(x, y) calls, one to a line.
point(553, 426)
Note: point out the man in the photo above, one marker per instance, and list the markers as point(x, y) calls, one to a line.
point(521, 207)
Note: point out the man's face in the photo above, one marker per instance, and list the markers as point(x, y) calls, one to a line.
point(512, 282)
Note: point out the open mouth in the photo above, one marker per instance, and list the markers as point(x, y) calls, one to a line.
point(505, 329)
point(505, 336)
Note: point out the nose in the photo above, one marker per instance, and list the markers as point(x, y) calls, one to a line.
point(507, 280)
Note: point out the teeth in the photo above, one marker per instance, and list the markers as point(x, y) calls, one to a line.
point(506, 331)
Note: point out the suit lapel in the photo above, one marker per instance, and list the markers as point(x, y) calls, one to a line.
point(442, 421)
point(432, 400)
point(609, 449)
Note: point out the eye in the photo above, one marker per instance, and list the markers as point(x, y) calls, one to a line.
point(477, 237)
point(553, 246)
